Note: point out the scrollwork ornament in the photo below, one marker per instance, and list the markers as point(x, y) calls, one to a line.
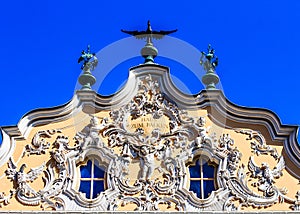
point(296, 205)
point(160, 156)
point(226, 146)
point(4, 199)
point(230, 206)
point(258, 143)
point(39, 145)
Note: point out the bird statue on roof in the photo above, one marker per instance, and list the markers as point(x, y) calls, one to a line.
point(149, 52)
point(209, 61)
point(212, 59)
point(149, 34)
point(89, 59)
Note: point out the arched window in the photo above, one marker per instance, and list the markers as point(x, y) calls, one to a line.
point(202, 178)
point(92, 179)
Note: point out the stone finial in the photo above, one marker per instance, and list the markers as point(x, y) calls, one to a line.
point(209, 61)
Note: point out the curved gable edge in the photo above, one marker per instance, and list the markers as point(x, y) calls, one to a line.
point(216, 103)
point(34, 118)
point(220, 109)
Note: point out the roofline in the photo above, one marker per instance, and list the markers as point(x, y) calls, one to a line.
point(211, 100)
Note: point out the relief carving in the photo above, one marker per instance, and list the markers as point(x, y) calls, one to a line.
point(24, 192)
point(266, 176)
point(296, 205)
point(258, 143)
point(4, 199)
point(39, 145)
point(161, 152)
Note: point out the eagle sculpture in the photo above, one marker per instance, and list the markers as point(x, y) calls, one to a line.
point(149, 34)
point(88, 59)
point(265, 174)
point(21, 178)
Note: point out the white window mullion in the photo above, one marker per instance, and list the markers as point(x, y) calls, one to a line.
point(201, 178)
point(92, 179)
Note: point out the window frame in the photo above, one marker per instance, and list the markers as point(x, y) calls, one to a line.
point(92, 178)
point(202, 161)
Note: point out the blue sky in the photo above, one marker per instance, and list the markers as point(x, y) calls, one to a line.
point(257, 43)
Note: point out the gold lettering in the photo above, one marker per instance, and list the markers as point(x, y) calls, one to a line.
point(137, 125)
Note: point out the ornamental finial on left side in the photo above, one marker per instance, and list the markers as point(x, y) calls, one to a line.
point(209, 61)
point(89, 62)
point(88, 59)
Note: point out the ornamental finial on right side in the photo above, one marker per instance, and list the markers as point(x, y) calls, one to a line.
point(89, 62)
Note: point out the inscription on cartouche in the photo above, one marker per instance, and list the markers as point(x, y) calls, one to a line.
point(148, 124)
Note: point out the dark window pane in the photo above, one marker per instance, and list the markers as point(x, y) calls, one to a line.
point(86, 170)
point(195, 170)
point(195, 187)
point(208, 171)
point(208, 187)
point(98, 187)
point(96, 162)
point(85, 187)
point(98, 172)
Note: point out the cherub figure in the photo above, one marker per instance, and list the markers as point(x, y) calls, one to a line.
point(94, 130)
point(203, 132)
point(146, 153)
point(90, 134)
point(164, 155)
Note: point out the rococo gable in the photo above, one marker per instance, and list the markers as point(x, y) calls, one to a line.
point(149, 147)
